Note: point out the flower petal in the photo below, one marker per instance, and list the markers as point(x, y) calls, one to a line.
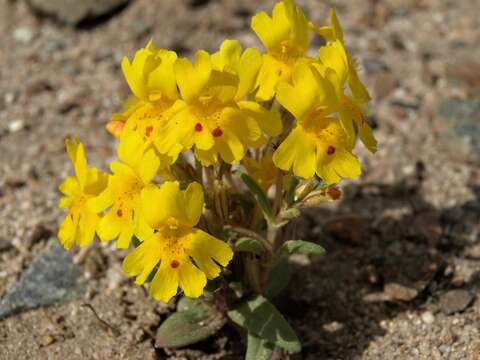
point(192, 280)
point(203, 247)
point(165, 283)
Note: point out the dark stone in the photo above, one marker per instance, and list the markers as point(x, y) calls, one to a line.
point(455, 301)
point(53, 278)
point(464, 117)
point(374, 65)
point(75, 12)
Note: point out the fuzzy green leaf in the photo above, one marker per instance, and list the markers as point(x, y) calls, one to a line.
point(195, 321)
point(249, 244)
point(257, 193)
point(262, 319)
point(301, 246)
point(278, 278)
point(258, 349)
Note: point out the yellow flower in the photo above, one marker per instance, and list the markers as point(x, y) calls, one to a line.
point(285, 35)
point(318, 143)
point(122, 196)
point(173, 214)
point(152, 80)
point(211, 117)
point(334, 65)
point(80, 223)
point(334, 56)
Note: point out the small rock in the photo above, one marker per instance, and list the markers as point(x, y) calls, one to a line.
point(428, 317)
point(16, 125)
point(384, 84)
point(52, 278)
point(23, 34)
point(332, 327)
point(373, 66)
point(54, 45)
point(46, 340)
point(464, 118)
point(455, 301)
point(10, 98)
point(465, 71)
point(400, 292)
point(5, 245)
point(74, 12)
point(348, 229)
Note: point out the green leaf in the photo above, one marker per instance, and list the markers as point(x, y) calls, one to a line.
point(186, 303)
point(249, 244)
point(278, 278)
point(257, 192)
point(262, 319)
point(195, 321)
point(258, 349)
point(301, 246)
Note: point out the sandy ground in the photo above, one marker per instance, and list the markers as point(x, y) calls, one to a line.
point(403, 285)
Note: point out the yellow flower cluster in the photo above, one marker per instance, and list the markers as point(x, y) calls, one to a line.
point(279, 110)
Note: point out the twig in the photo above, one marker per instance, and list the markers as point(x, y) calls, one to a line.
point(106, 326)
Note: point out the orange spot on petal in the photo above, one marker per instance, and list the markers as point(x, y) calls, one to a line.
point(148, 131)
point(198, 127)
point(119, 213)
point(331, 150)
point(174, 264)
point(217, 132)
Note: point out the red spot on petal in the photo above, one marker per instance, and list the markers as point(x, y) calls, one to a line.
point(331, 150)
point(217, 132)
point(148, 131)
point(174, 264)
point(119, 213)
point(198, 127)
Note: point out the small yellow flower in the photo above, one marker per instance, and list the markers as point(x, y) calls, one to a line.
point(211, 118)
point(334, 65)
point(173, 214)
point(122, 196)
point(318, 143)
point(285, 35)
point(152, 80)
point(80, 223)
point(334, 56)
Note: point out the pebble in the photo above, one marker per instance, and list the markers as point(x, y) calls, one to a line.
point(400, 292)
point(349, 229)
point(16, 125)
point(74, 12)
point(455, 301)
point(52, 278)
point(428, 317)
point(23, 34)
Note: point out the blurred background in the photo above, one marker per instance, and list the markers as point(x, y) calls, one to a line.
point(402, 275)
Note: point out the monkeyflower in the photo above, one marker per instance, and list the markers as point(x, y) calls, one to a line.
point(176, 241)
point(212, 120)
point(286, 37)
point(216, 156)
point(132, 174)
point(318, 144)
point(80, 222)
